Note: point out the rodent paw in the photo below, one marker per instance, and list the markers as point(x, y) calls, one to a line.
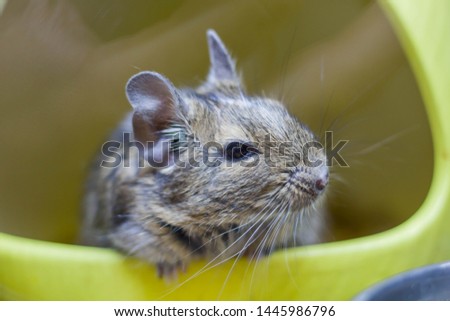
point(170, 271)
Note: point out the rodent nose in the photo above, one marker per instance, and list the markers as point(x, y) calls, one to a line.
point(321, 183)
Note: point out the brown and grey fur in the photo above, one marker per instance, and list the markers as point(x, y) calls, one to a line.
point(169, 216)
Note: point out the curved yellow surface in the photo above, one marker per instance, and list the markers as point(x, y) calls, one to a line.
point(39, 270)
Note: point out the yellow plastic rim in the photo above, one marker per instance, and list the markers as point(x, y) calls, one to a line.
point(39, 270)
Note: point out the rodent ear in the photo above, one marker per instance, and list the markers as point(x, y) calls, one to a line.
point(222, 66)
point(154, 100)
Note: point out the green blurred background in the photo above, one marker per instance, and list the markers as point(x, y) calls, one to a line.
point(336, 64)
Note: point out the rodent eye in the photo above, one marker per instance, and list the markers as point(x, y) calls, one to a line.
point(237, 150)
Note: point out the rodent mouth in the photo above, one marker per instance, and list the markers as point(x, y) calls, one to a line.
point(299, 195)
point(309, 186)
point(308, 191)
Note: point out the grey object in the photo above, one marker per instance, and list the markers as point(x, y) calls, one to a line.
point(429, 283)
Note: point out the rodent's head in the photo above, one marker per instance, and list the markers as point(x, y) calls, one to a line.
point(222, 154)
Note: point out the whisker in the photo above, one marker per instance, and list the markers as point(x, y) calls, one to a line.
point(325, 115)
point(254, 217)
point(348, 107)
point(384, 142)
point(285, 62)
point(250, 241)
point(261, 246)
point(212, 264)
